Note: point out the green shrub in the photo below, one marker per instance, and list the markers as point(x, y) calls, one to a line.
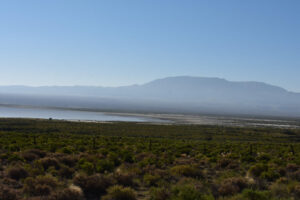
point(151, 180)
point(270, 175)
point(120, 193)
point(14, 157)
point(105, 166)
point(187, 170)
point(264, 157)
point(160, 193)
point(258, 169)
point(247, 158)
point(127, 157)
point(113, 157)
point(186, 192)
point(249, 194)
point(279, 190)
point(35, 169)
point(87, 167)
point(67, 150)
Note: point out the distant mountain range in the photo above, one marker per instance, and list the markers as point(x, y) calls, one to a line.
point(174, 94)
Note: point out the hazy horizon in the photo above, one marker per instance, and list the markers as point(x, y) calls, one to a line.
point(140, 84)
point(173, 94)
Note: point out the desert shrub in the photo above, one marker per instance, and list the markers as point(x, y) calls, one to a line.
point(113, 157)
point(41, 186)
point(264, 157)
point(42, 190)
point(232, 186)
point(291, 167)
point(282, 171)
point(279, 190)
point(186, 192)
point(68, 160)
point(283, 180)
point(94, 185)
point(223, 163)
point(226, 190)
point(151, 180)
point(39, 153)
point(295, 175)
point(14, 147)
point(28, 156)
point(52, 171)
point(258, 169)
point(187, 170)
point(67, 150)
point(53, 147)
point(124, 179)
point(260, 184)
point(270, 175)
point(49, 162)
point(143, 156)
point(7, 194)
point(47, 180)
point(255, 195)
point(15, 157)
point(297, 192)
point(11, 183)
point(176, 155)
point(68, 194)
point(160, 194)
point(17, 173)
point(105, 166)
point(35, 169)
point(120, 193)
point(66, 172)
point(247, 158)
point(87, 167)
point(127, 157)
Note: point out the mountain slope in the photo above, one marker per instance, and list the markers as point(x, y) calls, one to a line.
point(173, 94)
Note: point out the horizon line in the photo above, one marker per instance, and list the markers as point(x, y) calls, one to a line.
point(140, 84)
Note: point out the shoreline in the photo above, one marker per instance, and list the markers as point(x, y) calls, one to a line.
point(162, 118)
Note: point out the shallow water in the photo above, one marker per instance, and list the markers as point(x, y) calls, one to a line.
point(46, 113)
point(80, 115)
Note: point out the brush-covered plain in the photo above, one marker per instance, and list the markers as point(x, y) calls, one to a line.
point(61, 160)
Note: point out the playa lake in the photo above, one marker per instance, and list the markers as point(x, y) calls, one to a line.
point(98, 116)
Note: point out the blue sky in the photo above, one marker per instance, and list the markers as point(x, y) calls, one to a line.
point(117, 42)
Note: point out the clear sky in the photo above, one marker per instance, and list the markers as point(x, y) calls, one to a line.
point(118, 42)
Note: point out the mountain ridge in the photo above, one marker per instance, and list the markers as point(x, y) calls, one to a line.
point(143, 84)
point(178, 94)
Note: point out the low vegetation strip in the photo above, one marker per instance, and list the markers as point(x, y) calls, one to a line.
point(61, 160)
